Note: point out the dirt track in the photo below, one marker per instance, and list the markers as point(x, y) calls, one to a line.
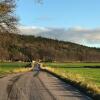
point(27, 86)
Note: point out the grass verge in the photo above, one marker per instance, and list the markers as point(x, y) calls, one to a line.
point(12, 67)
point(76, 80)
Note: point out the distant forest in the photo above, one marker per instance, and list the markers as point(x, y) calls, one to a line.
point(15, 47)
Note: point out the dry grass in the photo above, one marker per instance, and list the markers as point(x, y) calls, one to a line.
point(21, 70)
point(13, 67)
point(87, 85)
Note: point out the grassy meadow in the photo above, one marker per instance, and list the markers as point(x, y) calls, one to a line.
point(10, 67)
point(84, 75)
point(92, 74)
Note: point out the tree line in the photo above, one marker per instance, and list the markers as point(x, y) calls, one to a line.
point(16, 47)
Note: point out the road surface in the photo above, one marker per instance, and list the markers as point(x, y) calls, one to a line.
point(28, 86)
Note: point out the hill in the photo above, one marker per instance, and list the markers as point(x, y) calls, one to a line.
point(16, 47)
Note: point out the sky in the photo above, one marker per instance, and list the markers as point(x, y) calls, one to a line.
point(69, 20)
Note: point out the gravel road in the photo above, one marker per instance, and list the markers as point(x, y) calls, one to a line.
point(28, 86)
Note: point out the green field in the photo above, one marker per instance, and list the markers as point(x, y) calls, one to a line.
point(8, 67)
point(91, 74)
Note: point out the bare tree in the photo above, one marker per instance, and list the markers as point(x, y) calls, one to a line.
point(8, 20)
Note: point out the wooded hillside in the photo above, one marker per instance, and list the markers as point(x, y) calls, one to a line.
point(16, 47)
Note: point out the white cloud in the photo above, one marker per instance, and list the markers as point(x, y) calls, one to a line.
point(90, 37)
point(31, 30)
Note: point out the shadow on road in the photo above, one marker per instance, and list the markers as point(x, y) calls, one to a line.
point(36, 73)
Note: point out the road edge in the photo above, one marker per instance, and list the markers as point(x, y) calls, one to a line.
point(75, 85)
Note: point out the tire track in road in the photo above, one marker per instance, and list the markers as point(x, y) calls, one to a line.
point(35, 93)
point(53, 97)
point(39, 90)
point(10, 88)
point(26, 86)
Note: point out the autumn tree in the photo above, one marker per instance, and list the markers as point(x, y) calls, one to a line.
point(8, 20)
